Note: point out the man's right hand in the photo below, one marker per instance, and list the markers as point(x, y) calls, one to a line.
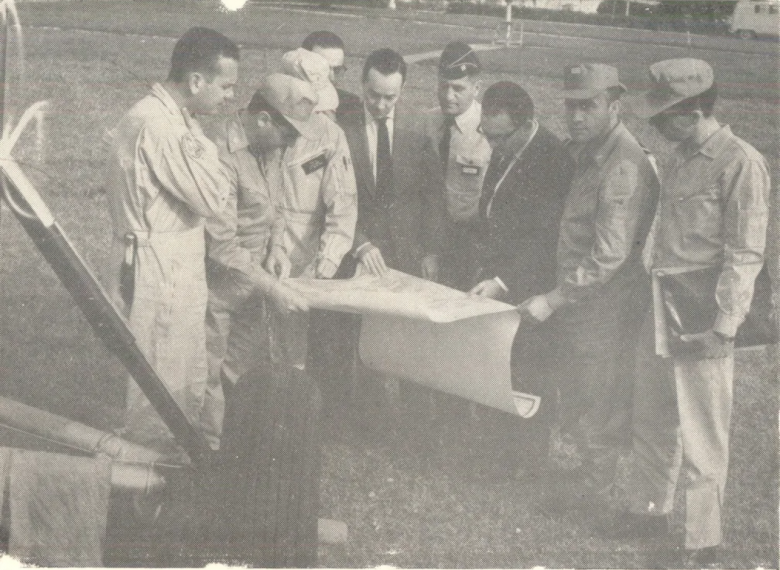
point(372, 260)
point(287, 300)
point(487, 288)
point(278, 263)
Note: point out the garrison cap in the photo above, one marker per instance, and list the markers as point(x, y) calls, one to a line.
point(672, 81)
point(295, 99)
point(587, 80)
point(458, 60)
point(314, 68)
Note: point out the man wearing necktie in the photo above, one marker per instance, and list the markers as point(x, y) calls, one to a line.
point(463, 153)
point(520, 207)
point(400, 183)
point(399, 179)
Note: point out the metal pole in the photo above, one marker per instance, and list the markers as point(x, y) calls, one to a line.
point(508, 23)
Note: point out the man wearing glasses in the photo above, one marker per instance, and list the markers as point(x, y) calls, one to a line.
point(713, 212)
point(247, 236)
point(519, 209)
point(331, 47)
point(601, 286)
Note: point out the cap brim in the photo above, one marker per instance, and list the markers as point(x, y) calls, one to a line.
point(307, 129)
point(648, 104)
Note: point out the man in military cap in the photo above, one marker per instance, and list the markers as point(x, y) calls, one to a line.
point(713, 212)
point(240, 238)
point(601, 284)
point(463, 154)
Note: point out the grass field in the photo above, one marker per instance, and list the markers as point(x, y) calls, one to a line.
point(408, 498)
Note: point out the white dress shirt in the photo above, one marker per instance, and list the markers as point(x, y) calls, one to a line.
point(372, 132)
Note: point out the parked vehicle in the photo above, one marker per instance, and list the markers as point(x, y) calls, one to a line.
point(754, 18)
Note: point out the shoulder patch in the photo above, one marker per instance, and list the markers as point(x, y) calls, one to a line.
point(315, 163)
point(191, 146)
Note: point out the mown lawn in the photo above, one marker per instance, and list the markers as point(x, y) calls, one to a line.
point(408, 491)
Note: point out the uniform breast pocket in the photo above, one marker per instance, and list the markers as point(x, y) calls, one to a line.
point(700, 212)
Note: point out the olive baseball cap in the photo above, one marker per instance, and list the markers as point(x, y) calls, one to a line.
point(295, 99)
point(587, 80)
point(672, 81)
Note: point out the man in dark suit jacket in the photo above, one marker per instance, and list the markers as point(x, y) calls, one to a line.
point(520, 208)
point(331, 47)
point(396, 184)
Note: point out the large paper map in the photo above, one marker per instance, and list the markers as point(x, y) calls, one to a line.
point(428, 333)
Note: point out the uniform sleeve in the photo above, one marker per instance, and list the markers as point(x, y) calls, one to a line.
point(622, 197)
point(187, 166)
point(339, 193)
point(224, 246)
point(745, 185)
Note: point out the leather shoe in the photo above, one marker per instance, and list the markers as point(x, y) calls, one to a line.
point(627, 525)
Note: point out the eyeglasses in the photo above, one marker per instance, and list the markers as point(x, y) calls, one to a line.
point(496, 137)
point(339, 70)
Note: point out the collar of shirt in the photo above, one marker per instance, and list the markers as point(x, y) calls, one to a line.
point(712, 147)
point(160, 92)
point(520, 145)
point(371, 120)
point(236, 135)
point(469, 117)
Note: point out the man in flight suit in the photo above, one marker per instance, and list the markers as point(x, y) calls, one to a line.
point(164, 178)
point(463, 154)
point(240, 238)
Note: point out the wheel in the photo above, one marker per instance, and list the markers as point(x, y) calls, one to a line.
point(746, 34)
point(263, 486)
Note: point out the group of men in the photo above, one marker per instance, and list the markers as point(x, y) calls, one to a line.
point(312, 180)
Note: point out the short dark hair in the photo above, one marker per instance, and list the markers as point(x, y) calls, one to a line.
point(199, 49)
point(704, 102)
point(323, 39)
point(508, 97)
point(386, 61)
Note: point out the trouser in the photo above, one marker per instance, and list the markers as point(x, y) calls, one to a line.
point(167, 319)
point(596, 376)
point(682, 413)
point(236, 340)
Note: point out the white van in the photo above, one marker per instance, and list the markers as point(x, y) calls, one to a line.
point(753, 18)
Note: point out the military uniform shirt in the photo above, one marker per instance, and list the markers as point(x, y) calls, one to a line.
point(610, 194)
point(714, 210)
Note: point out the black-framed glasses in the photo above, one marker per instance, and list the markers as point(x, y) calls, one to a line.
point(497, 137)
point(339, 70)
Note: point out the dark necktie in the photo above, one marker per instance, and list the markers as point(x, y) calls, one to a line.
point(493, 175)
point(444, 143)
point(384, 161)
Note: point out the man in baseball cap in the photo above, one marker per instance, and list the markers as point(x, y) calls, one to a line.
point(598, 297)
point(713, 212)
point(241, 289)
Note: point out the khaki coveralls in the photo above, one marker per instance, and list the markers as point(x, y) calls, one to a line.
point(713, 212)
point(238, 241)
point(162, 181)
point(319, 206)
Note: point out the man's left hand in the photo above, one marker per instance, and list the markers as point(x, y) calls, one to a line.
point(430, 267)
point(712, 345)
point(277, 263)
